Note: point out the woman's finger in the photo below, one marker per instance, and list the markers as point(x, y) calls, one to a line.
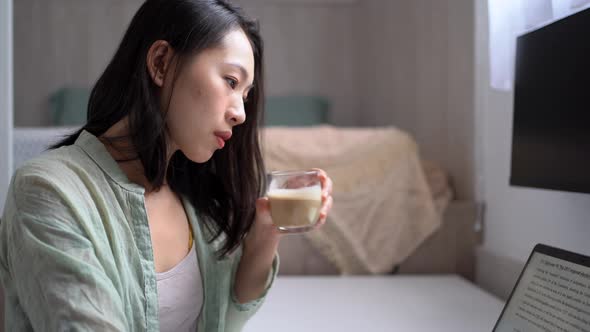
point(326, 183)
point(262, 204)
point(263, 215)
point(326, 207)
point(329, 185)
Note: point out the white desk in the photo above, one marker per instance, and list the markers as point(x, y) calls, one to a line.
point(376, 304)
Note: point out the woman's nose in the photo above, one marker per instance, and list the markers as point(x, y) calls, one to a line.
point(237, 114)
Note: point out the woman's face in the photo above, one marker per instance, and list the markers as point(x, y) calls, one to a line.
point(207, 100)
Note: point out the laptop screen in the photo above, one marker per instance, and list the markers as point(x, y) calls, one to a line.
point(552, 294)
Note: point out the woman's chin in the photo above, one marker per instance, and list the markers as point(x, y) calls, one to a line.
point(200, 157)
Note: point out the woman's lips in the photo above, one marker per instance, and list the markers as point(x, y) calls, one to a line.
point(220, 142)
point(222, 136)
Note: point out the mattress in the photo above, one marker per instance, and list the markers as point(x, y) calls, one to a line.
point(29, 142)
point(441, 303)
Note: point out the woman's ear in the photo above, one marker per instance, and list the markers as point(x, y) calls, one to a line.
point(159, 60)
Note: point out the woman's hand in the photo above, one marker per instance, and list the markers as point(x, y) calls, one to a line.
point(262, 242)
point(327, 200)
point(259, 249)
point(263, 238)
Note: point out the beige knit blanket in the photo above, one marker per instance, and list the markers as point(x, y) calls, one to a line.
point(383, 208)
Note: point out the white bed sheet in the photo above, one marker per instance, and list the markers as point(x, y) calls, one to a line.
point(444, 303)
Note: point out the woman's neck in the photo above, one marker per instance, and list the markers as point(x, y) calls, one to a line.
point(117, 142)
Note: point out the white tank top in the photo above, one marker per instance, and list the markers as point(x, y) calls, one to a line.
point(180, 295)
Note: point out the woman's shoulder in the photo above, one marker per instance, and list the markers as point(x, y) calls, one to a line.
point(58, 172)
point(53, 164)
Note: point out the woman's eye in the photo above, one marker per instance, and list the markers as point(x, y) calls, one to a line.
point(232, 82)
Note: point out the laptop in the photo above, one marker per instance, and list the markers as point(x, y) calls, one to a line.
point(552, 294)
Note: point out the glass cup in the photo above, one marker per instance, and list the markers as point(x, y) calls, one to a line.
point(295, 199)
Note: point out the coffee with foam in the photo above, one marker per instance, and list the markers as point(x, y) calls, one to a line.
point(292, 208)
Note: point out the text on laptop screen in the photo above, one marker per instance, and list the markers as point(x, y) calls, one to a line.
point(552, 295)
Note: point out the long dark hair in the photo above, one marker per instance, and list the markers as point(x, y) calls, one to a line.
point(224, 189)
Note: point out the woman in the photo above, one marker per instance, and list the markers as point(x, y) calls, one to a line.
point(150, 217)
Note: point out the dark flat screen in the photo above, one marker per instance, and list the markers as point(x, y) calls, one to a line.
point(551, 129)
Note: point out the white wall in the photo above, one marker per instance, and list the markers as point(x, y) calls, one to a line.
point(516, 218)
point(6, 111)
point(76, 39)
point(6, 97)
point(310, 49)
point(416, 73)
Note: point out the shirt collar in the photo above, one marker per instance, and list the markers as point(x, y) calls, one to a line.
point(100, 155)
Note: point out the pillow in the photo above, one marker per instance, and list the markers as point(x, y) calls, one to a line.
point(296, 111)
point(68, 106)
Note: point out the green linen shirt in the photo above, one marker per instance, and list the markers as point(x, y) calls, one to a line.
point(76, 251)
